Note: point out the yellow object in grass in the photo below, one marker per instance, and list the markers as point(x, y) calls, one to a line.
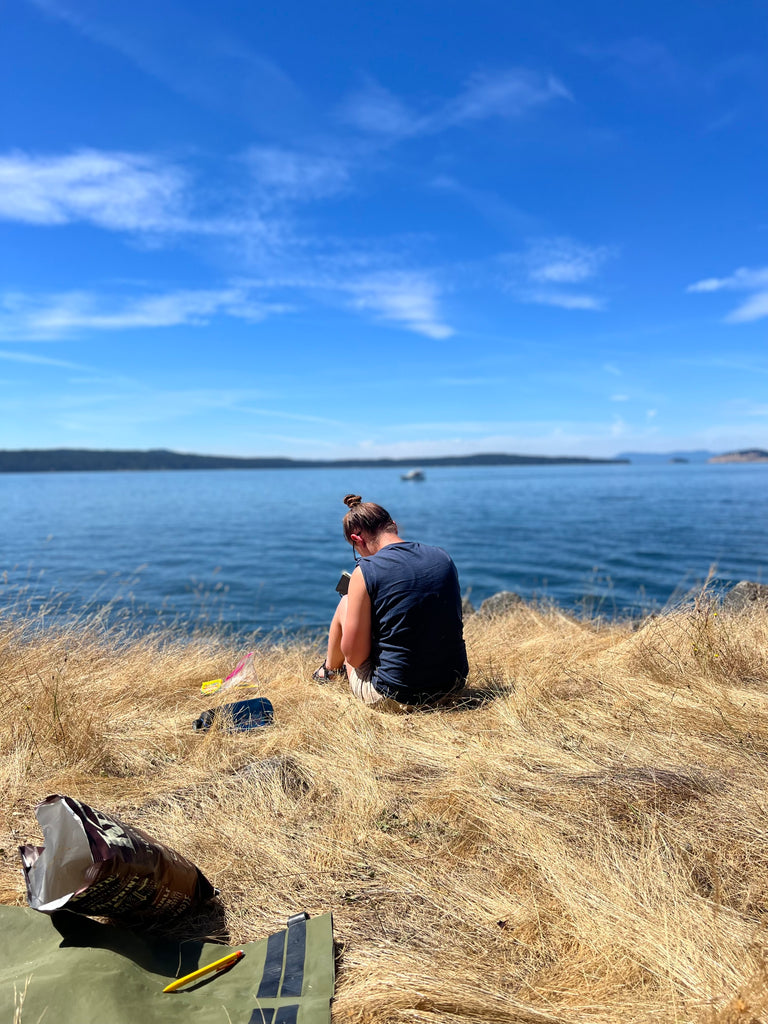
point(217, 965)
point(242, 677)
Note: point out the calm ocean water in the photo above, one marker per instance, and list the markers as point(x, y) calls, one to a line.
point(262, 549)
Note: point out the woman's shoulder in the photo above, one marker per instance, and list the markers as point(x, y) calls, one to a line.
point(417, 549)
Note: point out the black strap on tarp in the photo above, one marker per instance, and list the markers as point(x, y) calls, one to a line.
point(273, 967)
point(295, 951)
point(284, 966)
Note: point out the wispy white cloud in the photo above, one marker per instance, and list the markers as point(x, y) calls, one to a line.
point(36, 318)
point(376, 110)
point(505, 94)
point(547, 270)
point(755, 308)
point(744, 279)
point(281, 173)
point(126, 192)
point(619, 398)
point(564, 300)
point(563, 261)
point(119, 191)
point(407, 299)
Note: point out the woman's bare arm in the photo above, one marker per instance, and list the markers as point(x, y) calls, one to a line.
point(356, 638)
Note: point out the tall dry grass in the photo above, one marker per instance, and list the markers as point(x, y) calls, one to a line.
point(583, 839)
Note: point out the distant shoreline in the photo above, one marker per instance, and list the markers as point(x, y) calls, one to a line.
point(78, 460)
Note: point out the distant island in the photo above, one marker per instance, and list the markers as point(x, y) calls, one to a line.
point(699, 455)
point(648, 458)
point(745, 455)
point(79, 460)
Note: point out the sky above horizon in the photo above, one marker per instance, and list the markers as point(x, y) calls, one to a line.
point(358, 230)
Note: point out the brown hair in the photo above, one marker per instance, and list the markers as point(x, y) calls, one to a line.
point(366, 517)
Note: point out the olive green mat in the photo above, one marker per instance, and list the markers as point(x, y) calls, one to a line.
point(69, 969)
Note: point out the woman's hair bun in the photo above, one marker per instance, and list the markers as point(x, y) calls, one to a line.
point(353, 499)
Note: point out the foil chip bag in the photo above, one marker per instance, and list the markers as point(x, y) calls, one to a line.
point(97, 865)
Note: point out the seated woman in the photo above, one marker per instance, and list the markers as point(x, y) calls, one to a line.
point(398, 630)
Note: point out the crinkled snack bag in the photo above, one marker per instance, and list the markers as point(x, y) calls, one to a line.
point(95, 864)
point(243, 675)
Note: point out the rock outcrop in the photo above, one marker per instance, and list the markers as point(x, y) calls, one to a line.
point(499, 603)
point(745, 595)
point(745, 455)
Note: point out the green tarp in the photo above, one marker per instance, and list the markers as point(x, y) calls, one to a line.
point(69, 969)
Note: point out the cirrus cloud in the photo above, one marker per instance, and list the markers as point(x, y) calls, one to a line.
point(547, 272)
point(283, 173)
point(136, 193)
point(745, 279)
point(563, 261)
point(505, 94)
point(53, 317)
point(409, 299)
point(119, 191)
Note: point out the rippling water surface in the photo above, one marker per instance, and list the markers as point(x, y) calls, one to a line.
point(262, 549)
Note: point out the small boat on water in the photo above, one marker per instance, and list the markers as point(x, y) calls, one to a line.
point(413, 474)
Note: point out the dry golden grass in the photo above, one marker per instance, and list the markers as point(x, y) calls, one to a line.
point(587, 842)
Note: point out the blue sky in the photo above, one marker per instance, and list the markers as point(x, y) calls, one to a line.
point(358, 229)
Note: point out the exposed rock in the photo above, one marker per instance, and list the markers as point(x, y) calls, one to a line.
point(745, 595)
point(745, 455)
point(499, 603)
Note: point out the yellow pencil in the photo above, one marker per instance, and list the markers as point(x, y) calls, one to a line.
point(217, 965)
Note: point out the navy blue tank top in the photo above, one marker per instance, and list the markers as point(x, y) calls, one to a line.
point(417, 644)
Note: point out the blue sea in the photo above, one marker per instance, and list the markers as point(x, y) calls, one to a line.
point(261, 550)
